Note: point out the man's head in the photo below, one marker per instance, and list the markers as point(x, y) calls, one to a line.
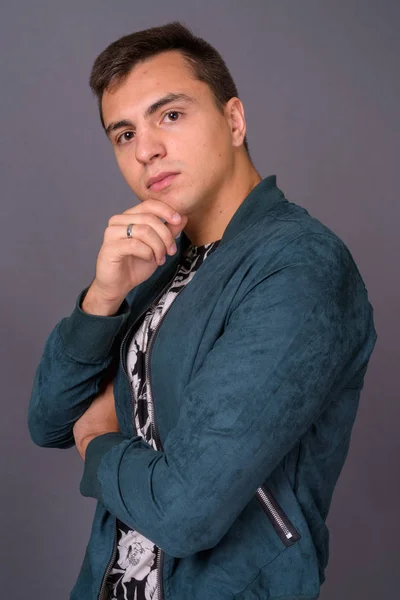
point(200, 136)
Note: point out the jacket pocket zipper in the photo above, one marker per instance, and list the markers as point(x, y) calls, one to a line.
point(280, 522)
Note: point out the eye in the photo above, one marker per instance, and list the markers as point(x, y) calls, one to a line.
point(121, 139)
point(172, 112)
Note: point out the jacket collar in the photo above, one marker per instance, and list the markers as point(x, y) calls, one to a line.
point(256, 204)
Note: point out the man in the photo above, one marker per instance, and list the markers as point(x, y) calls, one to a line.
point(211, 388)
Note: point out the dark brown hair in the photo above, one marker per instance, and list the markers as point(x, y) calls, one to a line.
point(205, 62)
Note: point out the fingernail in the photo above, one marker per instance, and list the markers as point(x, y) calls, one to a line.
point(173, 249)
point(176, 217)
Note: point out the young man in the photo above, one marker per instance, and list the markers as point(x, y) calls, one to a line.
point(210, 389)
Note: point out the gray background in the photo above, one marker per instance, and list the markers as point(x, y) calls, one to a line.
point(320, 86)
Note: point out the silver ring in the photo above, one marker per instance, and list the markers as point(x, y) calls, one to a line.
point(129, 230)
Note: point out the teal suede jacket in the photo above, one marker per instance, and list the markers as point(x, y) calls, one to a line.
point(255, 372)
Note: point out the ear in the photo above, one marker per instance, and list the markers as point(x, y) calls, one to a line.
point(234, 111)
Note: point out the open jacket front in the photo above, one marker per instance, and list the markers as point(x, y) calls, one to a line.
point(255, 372)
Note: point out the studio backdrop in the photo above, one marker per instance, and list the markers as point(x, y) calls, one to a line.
point(320, 86)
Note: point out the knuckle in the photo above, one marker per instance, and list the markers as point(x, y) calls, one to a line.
point(132, 209)
point(147, 228)
point(112, 220)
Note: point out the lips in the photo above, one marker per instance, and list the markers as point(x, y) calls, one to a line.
point(159, 177)
point(162, 182)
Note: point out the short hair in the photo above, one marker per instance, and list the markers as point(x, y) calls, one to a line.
point(120, 57)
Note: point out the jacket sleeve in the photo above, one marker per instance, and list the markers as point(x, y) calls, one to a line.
point(302, 327)
point(77, 355)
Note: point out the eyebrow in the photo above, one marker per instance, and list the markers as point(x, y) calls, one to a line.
point(151, 110)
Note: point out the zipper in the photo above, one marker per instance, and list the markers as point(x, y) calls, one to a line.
point(133, 401)
point(159, 569)
point(281, 523)
point(122, 356)
point(156, 435)
point(110, 564)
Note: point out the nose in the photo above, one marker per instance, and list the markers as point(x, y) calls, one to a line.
point(148, 146)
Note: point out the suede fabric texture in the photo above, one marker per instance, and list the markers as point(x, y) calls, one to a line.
point(256, 373)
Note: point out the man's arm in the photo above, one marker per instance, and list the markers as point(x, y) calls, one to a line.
point(75, 365)
point(302, 329)
point(82, 347)
point(99, 418)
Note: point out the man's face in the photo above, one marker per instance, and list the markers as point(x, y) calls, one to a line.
point(189, 137)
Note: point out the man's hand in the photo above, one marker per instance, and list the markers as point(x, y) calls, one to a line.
point(99, 418)
point(123, 263)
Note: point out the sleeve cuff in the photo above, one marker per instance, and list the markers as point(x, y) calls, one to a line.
point(90, 337)
point(95, 450)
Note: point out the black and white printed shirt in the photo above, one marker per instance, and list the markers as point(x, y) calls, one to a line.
point(134, 574)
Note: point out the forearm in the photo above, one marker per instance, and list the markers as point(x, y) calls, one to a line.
point(100, 418)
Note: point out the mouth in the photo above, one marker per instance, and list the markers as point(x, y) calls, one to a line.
point(163, 183)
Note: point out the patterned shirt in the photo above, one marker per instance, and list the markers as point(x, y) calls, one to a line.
point(134, 573)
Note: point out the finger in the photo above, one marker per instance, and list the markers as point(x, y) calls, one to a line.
point(144, 233)
point(155, 234)
point(158, 208)
point(176, 229)
point(166, 231)
point(133, 247)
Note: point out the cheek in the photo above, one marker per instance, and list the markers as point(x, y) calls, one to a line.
point(214, 139)
point(129, 172)
point(126, 165)
point(202, 149)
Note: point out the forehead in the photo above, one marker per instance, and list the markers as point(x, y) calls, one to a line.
point(150, 80)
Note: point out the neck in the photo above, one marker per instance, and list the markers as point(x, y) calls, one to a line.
point(210, 225)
